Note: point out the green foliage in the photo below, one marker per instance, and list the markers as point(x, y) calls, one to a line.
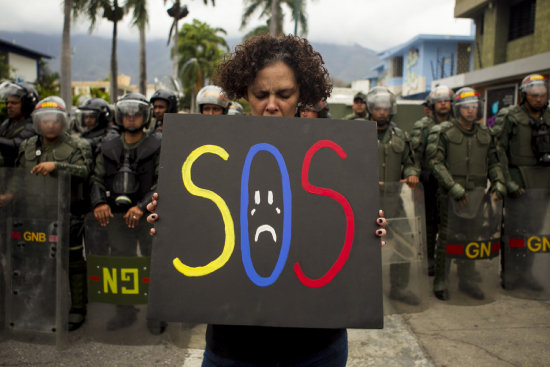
point(200, 50)
point(264, 7)
point(47, 83)
point(5, 69)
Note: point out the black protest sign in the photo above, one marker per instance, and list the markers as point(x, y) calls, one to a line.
point(267, 221)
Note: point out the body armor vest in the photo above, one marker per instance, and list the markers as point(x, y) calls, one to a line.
point(390, 153)
point(467, 153)
point(142, 161)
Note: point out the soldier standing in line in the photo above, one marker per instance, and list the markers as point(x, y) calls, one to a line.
point(523, 133)
point(462, 154)
point(395, 162)
point(124, 177)
point(359, 108)
point(92, 120)
point(54, 149)
point(439, 103)
point(212, 101)
point(163, 101)
point(20, 99)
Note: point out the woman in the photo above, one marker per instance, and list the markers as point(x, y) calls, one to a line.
point(274, 74)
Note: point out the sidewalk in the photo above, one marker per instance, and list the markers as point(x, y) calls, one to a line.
point(507, 332)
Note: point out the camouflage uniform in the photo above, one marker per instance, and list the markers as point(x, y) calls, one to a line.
point(72, 155)
point(419, 140)
point(461, 160)
point(521, 171)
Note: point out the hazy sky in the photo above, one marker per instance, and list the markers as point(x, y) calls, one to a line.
point(371, 23)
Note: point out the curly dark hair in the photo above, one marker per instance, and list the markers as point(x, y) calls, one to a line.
point(238, 72)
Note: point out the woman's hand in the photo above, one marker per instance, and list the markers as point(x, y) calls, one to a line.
point(152, 207)
point(381, 221)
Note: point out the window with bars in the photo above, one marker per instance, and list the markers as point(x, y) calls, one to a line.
point(463, 50)
point(397, 66)
point(522, 19)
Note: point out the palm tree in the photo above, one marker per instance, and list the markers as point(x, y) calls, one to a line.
point(269, 7)
point(178, 12)
point(140, 19)
point(110, 10)
point(200, 49)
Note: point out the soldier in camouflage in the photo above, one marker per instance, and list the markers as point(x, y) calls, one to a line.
point(395, 162)
point(53, 149)
point(462, 154)
point(359, 108)
point(523, 133)
point(439, 102)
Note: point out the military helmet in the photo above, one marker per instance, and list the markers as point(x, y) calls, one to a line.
point(382, 97)
point(532, 84)
point(53, 109)
point(467, 96)
point(361, 96)
point(132, 104)
point(321, 108)
point(169, 97)
point(440, 93)
point(212, 94)
point(24, 91)
point(235, 108)
point(97, 108)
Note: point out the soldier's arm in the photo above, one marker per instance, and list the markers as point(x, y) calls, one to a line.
point(418, 143)
point(436, 151)
point(78, 164)
point(97, 182)
point(502, 130)
point(496, 174)
point(142, 204)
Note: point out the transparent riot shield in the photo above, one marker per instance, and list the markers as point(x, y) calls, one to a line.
point(472, 244)
point(403, 259)
point(118, 259)
point(526, 245)
point(34, 255)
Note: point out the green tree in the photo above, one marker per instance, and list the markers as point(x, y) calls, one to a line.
point(267, 8)
point(200, 49)
point(47, 83)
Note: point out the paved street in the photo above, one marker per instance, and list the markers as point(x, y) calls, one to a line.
point(507, 332)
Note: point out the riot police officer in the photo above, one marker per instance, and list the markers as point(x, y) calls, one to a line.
point(318, 110)
point(439, 102)
point(124, 177)
point(54, 149)
point(212, 101)
point(395, 162)
point(359, 108)
point(20, 99)
point(163, 101)
point(524, 141)
point(92, 120)
point(462, 154)
point(235, 109)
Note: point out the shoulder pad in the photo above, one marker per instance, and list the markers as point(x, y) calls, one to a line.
point(112, 147)
point(150, 146)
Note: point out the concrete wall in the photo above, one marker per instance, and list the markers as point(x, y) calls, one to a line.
point(25, 68)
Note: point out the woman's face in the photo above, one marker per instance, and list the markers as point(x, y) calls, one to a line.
point(274, 92)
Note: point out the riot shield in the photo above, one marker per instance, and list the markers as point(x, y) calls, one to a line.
point(118, 259)
point(403, 259)
point(472, 245)
point(526, 245)
point(34, 255)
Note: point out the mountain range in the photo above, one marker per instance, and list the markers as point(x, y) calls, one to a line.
point(91, 56)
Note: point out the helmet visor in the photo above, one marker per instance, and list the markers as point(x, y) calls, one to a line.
point(86, 120)
point(49, 123)
point(132, 110)
point(9, 89)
